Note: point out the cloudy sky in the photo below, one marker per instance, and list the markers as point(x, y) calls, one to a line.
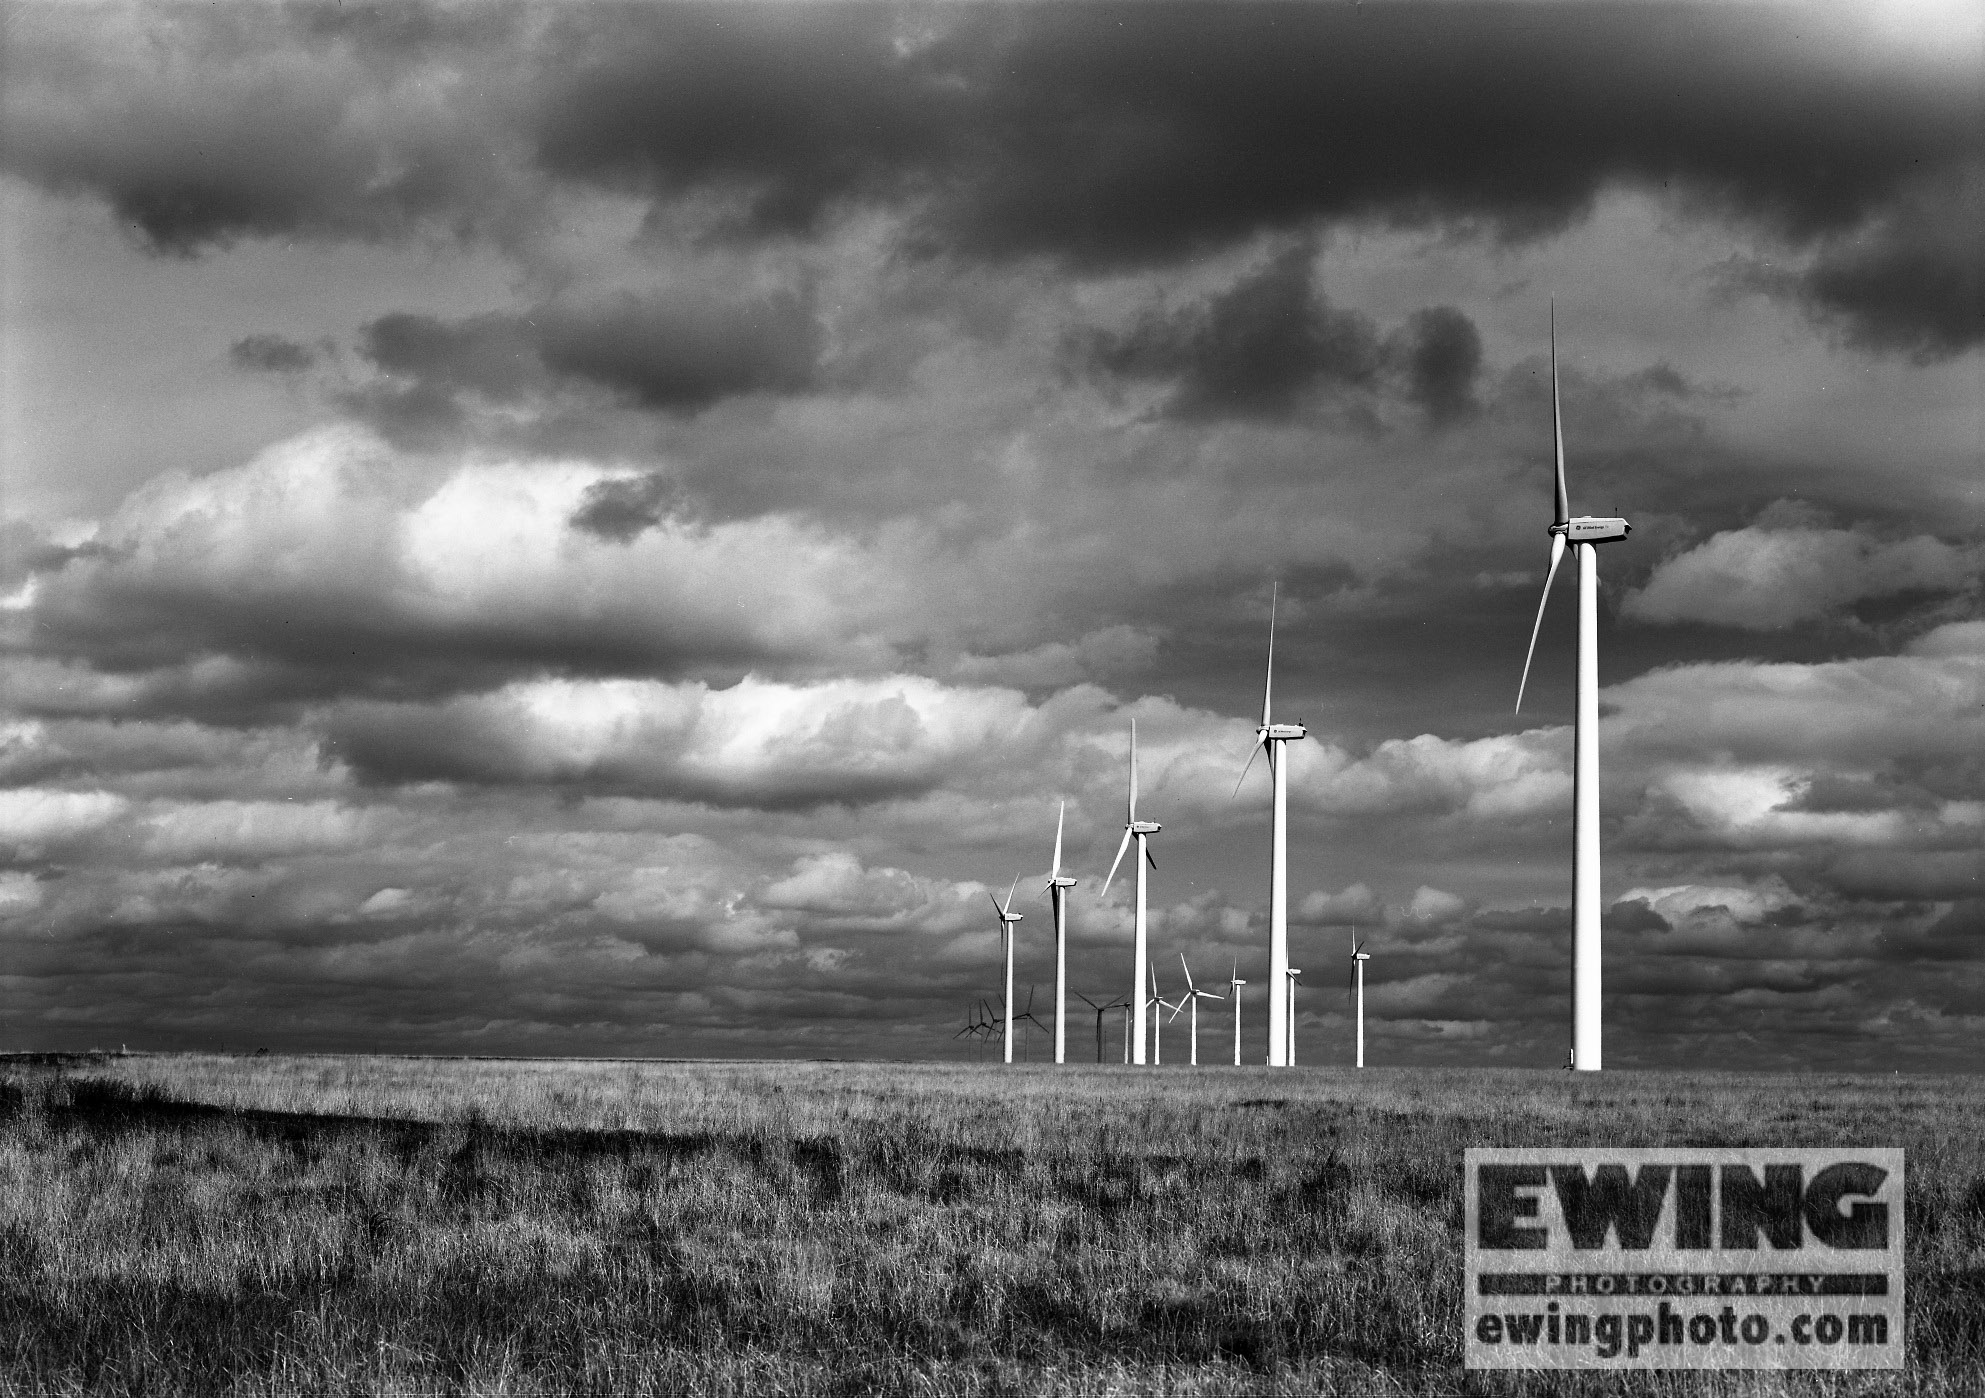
point(586, 529)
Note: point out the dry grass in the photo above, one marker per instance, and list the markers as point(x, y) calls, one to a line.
point(230, 1225)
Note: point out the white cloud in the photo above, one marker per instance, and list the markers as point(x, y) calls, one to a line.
point(237, 830)
point(1926, 705)
point(1435, 906)
point(386, 902)
point(33, 816)
point(1355, 904)
point(1682, 903)
point(1763, 579)
point(1510, 775)
point(19, 893)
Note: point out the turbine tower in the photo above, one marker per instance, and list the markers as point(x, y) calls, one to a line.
point(1234, 984)
point(1007, 917)
point(1270, 737)
point(1585, 533)
point(1359, 957)
point(1143, 830)
point(1058, 886)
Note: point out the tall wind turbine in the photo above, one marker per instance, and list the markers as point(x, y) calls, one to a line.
point(1143, 830)
point(1270, 737)
point(1007, 917)
point(1234, 984)
point(1193, 995)
point(1058, 886)
point(1585, 533)
point(1359, 957)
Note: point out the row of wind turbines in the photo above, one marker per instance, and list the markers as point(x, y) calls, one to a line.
point(1583, 533)
point(1142, 1018)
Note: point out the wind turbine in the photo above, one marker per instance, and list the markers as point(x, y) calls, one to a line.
point(977, 1028)
point(1158, 1021)
point(1007, 917)
point(1058, 886)
point(1101, 1010)
point(1584, 533)
point(1026, 1016)
point(1193, 995)
point(1289, 974)
point(1270, 737)
point(1143, 830)
point(1234, 984)
point(1357, 987)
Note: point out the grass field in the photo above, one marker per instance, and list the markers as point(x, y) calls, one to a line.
point(316, 1225)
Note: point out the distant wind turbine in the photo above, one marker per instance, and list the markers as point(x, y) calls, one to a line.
point(1007, 917)
point(1359, 957)
point(1158, 1020)
point(1058, 886)
point(1289, 974)
point(1142, 830)
point(1234, 984)
point(1193, 995)
point(1584, 534)
point(1269, 738)
point(1101, 1010)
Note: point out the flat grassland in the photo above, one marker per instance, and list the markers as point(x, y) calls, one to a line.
point(318, 1225)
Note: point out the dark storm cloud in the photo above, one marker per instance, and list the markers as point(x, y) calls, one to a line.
point(622, 509)
point(1442, 352)
point(1105, 135)
point(1912, 283)
point(676, 353)
point(200, 128)
point(270, 354)
point(1255, 350)
point(1264, 347)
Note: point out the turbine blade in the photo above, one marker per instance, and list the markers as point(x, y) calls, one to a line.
point(1260, 743)
point(1122, 845)
point(1009, 897)
point(1557, 554)
point(1058, 824)
point(1558, 423)
point(1133, 770)
point(1151, 859)
point(996, 907)
point(1268, 685)
point(1187, 969)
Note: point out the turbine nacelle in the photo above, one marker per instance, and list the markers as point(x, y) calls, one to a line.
point(1593, 529)
point(1144, 827)
point(1061, 881)
point(1284, 731)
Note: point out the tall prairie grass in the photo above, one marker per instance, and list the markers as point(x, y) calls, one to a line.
point(306, 1225)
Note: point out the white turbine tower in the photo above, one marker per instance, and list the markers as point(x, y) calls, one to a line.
point(1058, 886)
point(1270, 737)
point(1289, 975)
point(1007, 917)
point(1143, 830)
point(1234, 984)
point(1193, 995)
point(1359, 957)
point(1585, 533)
